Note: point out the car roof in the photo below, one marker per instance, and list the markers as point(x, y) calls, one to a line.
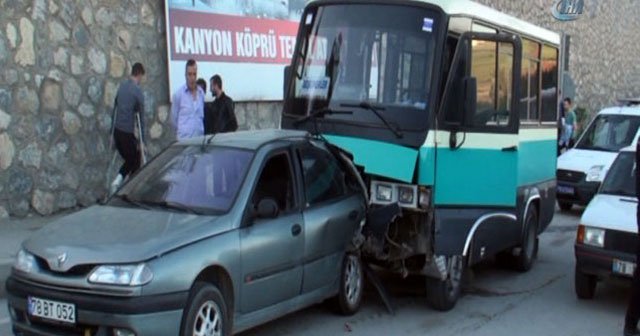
point(633, 110)
point(251, 140)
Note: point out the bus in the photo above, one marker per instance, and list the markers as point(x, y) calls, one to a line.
point(449, 108)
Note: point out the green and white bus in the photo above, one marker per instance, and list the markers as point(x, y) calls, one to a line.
point(450, 109)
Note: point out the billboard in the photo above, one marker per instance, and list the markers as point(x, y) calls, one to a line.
point(247, 42)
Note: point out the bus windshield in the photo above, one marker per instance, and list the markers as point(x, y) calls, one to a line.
point(354, 57)
point(610, 133)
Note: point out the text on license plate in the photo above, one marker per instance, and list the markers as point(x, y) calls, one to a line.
point(623, 267)
point(565, 190)
point(51, 310)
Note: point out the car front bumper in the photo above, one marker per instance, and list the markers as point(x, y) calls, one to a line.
point(599, 262)
point(582, 194)
point(96, 315)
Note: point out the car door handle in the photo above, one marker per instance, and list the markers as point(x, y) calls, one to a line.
point(510, 149)
point(353, 215)
point(296, 229)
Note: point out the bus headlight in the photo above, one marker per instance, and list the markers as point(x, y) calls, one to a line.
point(405, 195)
point(425, 197)
point(384, 193)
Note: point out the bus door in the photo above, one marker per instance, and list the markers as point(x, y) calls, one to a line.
point(477, 143)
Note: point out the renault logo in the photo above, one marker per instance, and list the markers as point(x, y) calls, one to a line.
point(61, 259)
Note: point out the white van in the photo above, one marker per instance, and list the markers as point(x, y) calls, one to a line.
point(582, 168)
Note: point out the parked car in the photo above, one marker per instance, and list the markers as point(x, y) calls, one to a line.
point(608, 234)
point(581, 169)
point(213, 236)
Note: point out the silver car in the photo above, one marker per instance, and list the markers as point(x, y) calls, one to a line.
point(214, 236)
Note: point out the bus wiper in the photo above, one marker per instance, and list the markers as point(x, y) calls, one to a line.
point(365, 105)
point(318, 114)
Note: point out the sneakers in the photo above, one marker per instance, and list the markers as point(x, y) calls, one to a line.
point(116, 184)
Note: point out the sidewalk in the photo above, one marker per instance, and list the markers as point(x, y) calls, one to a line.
point(13, 232)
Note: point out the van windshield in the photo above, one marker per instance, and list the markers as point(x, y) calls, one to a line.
point(621, 179)
point(610, 133)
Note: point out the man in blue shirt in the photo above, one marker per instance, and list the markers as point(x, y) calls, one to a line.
point(187, 110)
point(129, 102)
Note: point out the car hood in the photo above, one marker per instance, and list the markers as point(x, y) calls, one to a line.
point(115, 235)
point(611, 212)
point(582, 160)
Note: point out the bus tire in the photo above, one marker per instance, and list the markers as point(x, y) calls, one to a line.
point(529, 246)
point(565, 206)
point(443, 295)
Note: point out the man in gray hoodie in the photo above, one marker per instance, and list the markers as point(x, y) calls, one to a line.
point(129, 102)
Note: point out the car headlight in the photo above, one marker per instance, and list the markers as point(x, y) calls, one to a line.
point(591, 236)
point(384, 192)
point(405, 195)
point(121, 275)
point(595, 174)
point(25, 262)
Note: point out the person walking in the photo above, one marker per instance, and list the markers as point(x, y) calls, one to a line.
point(187, 110)
point(129, 102)
point(570, 124)
point(219, 115)
point(633, 310)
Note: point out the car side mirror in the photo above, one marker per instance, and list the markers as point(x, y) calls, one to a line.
point(267, 208)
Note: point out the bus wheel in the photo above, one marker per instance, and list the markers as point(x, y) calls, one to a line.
point(529, 247)
point(442, 295)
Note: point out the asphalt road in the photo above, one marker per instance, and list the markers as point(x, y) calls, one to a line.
point(496, 302)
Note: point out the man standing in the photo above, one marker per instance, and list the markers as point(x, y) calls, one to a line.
point(219, 115)
point(570, 124)
point(633, 310)
point(129, 102)
point(187, 110)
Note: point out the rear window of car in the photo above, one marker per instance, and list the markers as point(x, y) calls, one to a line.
point(192, 178)
point(621, 178)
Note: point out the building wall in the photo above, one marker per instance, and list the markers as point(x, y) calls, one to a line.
point(61, 62)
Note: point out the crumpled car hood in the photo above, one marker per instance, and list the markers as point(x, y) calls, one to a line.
point(115, 235)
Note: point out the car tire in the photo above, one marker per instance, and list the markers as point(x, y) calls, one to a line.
point(585, 285)
point(349, 297)
point(565, 206)
point(442, 295)
point(205, 299)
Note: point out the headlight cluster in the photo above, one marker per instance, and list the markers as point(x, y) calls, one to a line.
point(591, 236)
point(595, 174)
point(25, 262)
point(121, 275)
point(404, 194)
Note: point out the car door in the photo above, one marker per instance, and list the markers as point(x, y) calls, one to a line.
point(332, 213)
point(272, 248)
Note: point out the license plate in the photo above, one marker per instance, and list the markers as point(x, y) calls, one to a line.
point(565, 190)
point(51, 310)
point(623, 267)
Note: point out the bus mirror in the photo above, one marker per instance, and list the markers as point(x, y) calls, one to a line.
point(470, 98)
point(287, 78)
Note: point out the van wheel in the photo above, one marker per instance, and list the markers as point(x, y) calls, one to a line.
point(585, 285)
point(349, 297)
point(443, 295)
point(565, 206)
point(206, 312)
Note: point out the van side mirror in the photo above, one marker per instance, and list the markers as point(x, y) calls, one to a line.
point(470, 99)
point(287, 78)
point(267, 209)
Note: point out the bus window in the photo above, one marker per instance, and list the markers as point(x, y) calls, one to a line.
point(549, 83)
point(529, 81)
point(493, 72)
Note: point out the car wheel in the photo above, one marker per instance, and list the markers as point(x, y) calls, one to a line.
point(565, 206)
point(585, 285)
point(206, 312)
point(443, 295)
point(349, 297)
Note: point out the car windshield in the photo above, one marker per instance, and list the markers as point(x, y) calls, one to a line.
point(190, 179)
point(352, 54)
point(621, 178)
point(610, 133)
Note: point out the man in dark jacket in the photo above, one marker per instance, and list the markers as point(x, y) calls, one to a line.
point(219, 115)
point(633, 310)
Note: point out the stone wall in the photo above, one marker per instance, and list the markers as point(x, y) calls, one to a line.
point(61, 62)
point(604, 61)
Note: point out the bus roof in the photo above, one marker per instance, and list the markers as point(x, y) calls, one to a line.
point(472, 9)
